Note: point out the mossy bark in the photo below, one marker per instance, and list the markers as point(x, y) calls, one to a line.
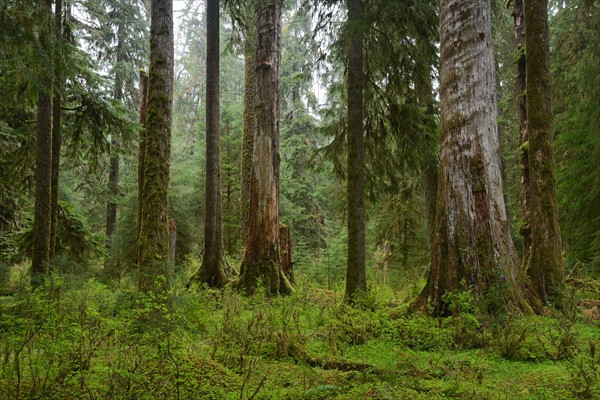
point(56, 124)
point(212, 270)
point(141, 147)
point(247, 135)
point(472, 249)
point(546, 267)
point(43, 164)
point(356, 277)
point(153, 243)
point(261, 260)
point(521, 71)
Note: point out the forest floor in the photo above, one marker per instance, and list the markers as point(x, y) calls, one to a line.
point(82, 339)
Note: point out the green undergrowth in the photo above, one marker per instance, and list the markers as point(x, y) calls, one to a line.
point(83, 339)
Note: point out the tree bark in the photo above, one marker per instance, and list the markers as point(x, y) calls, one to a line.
point(261, 258)
point(473, 249)
point(141, 148)
point(247, 134)
point(356, 279)
point(43, 166)
point(56, 125)
point(546, 267)
point(212, 270)
point(525, 228)
point(153, 244)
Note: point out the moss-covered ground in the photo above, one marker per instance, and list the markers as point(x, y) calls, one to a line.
point(83, 339)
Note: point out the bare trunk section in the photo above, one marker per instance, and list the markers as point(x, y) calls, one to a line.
point(40, 268)
point(473, 249)
point(525, 228)
point(212, 270)
point(546, 267)
point(56, 126)
point(356, 278)
point(262, 258)
point(153, 243)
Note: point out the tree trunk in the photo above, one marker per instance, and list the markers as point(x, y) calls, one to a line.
point(473, 249)
point(56, 126)
point(546, 267)
point(247, 135)
point(261, 258)
point(212, 270)
point(113, 175)
point(153, 244)
point(43, 165)
point(141, 149)
point(356, 279)
point(285, 242)
point(525, 228)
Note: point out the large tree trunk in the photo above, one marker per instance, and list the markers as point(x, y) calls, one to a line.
point(141, 150)
point(56, 124)
point(43, 165)
point(261, 257)
point(153, 244)
point(356, 279)
point(525, 227)
point(212, 270)
point(473, 249)
point(247, 134)
point(546, 267)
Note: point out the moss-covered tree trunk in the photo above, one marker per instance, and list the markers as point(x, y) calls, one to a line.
point(525, 227)
point(248, 133)
point(261, 256)
point(473, 249)
point(212, 270)
point(56, 123)
point(356, 278)
point(546, 267)
point(141, 148)
point(43, 164)
point(153, 243)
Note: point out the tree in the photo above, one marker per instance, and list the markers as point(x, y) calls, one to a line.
point(472, 249)
point(545, 267)
point(212, 270)
point(521, 71)
point(356, 279)
point(261, 256)
point(153, 243)
point(43, 166)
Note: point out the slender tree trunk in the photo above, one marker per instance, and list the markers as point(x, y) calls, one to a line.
point(473, 249)
point(546, 267)
point(525, 228)
point(141, 151)
point(247, 135)
point(356, 279)
point(43, 165)
point(261, 258)
point(153, 244)
point(113, 174)
point(56, 126)
point(212, 270)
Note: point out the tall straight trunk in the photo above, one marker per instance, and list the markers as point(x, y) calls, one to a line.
point(212, 270)
point(473, 249)
point(141, 148)
point(153, 244)
point(56, 126)
point(356, 279)
point(261, 257)
point(113, 174)
point(247, 135)
point(546, 267)
point(525, 228)
point(43, 164)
